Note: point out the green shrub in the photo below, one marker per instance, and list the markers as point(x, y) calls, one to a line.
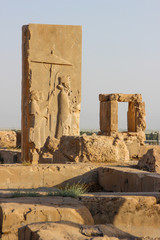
point(74, 190)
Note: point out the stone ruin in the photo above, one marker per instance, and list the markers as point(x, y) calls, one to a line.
point(122, 201)
point(51, 85)
point(51, 98)
point(136, 120)
point(109, 113)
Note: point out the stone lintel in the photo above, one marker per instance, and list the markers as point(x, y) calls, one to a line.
point(120, 97)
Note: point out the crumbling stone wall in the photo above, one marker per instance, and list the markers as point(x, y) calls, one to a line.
point(135, 135)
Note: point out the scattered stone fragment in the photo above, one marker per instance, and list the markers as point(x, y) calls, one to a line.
point(134, 214)
point(71, 231)
point(120, 179)
point(8, 139)
point(17, 212)
point(89, 149)
point(150, 161)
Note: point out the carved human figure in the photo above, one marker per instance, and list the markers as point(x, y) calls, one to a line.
point(39, 110)
point(75, 116)
point(64, 109)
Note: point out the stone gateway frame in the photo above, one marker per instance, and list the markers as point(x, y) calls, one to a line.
point(109, 113)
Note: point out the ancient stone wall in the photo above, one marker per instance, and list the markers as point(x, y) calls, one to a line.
point(136, 123)
point(51, 85)
point(109, 112)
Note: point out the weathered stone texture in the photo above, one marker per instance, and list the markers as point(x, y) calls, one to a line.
point(114, 179)
point(18, 212)
point(109, 113)
point(134, 142)
point(137, 215)
point(109, 117)
point(7, 139)
point(10, 156)
point(135, 136)
point(93, 174)
point(120, 97)
point(67, 230)
point(150, 161)
point(44, 175)
point(100, 149)
point(51, 85)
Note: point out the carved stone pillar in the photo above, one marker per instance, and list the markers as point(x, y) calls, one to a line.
point(131, 117)
point(108, 117)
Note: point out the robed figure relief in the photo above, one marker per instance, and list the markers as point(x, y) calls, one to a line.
point(64, 108)
point(39, 112)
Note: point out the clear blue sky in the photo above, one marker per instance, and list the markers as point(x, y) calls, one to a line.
point(121, 52)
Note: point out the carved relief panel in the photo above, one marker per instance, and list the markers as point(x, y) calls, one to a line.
point(51, 85)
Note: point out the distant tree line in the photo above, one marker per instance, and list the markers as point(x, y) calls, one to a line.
point(88, 132)
point(149, 136)
point(152, 136)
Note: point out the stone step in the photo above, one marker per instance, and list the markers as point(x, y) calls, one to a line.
point(126, 179)
point(19, 176)
point(18, 212)
point(10, 193)
point(138, 215)
point(96, 176)
point(135, 213)
point(67, 230)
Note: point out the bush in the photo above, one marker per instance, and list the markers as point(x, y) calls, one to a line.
point(74, 190)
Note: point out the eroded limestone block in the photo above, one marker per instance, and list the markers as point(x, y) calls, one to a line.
point(114, 179)
point(134, 141)
point(51, 85)
point(67, 230)
point(136, 123)
point(137, 215)
point(120, 97)
point(108, 117)
point(140, 117)
point(91, 149)
point(10, 156)
point(7, 139)
point(150, 161)
point(18, 212)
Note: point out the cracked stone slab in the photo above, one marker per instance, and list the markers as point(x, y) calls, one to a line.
point(71, 231)
point(17, 212)
point(135, 213)
point(121, 179)
point(17, 176)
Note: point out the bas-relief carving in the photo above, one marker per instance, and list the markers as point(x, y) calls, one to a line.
point(51, 85)
point(39, 119)
point(64, 107)
point(56, 115)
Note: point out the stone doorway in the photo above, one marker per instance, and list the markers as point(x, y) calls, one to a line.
point(109, 113)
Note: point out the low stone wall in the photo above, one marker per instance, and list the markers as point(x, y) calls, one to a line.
point(44, 175)
point(119, 179)
point(18, 212)
point(137, 215)
point(10, 156)
point(96, 149)
point(96, 176)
